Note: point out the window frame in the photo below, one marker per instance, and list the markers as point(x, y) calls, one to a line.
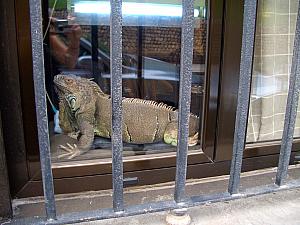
point(223, 60)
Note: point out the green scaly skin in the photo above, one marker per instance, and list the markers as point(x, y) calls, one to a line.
point(86, 110)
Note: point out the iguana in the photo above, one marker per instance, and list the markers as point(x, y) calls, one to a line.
point(85, 110)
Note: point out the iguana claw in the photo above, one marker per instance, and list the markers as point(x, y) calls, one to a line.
point(171, 138)
point(193, 140)
point(72, 151)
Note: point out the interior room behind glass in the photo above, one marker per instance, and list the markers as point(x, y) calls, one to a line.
point(77, 43)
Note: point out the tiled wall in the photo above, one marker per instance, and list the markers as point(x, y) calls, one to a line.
point(272, 61)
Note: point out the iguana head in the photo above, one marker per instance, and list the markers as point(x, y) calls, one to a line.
point(77, 92)
point(69, 84)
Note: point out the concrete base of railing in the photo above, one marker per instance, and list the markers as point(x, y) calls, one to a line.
point(178, 217)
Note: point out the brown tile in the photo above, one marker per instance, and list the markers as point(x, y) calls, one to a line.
point(290, 63)
point(282, 6)
point(293, 19)
point(281, 44)
point(263, 137)
point(256, 106)
point(268, 45)
point(293, 6)
point(267, 67)
point(254, 83)
point(256, 66)
point(258, 24)
point(282, 82)
point(257, 46)
point(282, 24)
point(279, 122)
point(281, 64)
point(266, 126)
point(291, 43)
point(268, 6)
point(280, 105)
point(268, 23)
point(260, 6)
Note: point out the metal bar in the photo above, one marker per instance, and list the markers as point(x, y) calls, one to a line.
point(140, 80)
point(94, 38)
point(291, 110)
point(187, 39)
point(250, 9)
point(41, 106)
point(116, 99)
point(71, 218)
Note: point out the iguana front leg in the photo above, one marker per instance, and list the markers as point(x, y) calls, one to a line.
point(84, 116)
point(171, 135)
point(84, 144)
point(85, 141)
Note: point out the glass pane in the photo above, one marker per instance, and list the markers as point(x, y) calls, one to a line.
point(77, 45)
point(272, 63)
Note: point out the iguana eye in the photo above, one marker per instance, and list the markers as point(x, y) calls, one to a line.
point(68, 81)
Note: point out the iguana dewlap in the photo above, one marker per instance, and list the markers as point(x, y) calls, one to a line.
point(86, 110)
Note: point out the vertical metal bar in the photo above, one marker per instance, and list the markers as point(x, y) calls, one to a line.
point(140, 80)
point(116, 98)
point(41, 106)
point(291, 109)
point(187, 41)
point(94, 38)
point(250, 9)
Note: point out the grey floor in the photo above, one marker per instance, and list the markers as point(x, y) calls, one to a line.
point(281, 208)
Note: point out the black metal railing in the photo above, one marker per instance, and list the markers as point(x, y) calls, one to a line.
point(180, 200)
point(41, 106)
point(250, 11)
point(116, 100)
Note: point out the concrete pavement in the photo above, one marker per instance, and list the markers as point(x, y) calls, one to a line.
point(280, 208)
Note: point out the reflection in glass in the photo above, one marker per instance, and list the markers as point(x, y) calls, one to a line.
point(272, 63)
point(77, 43)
